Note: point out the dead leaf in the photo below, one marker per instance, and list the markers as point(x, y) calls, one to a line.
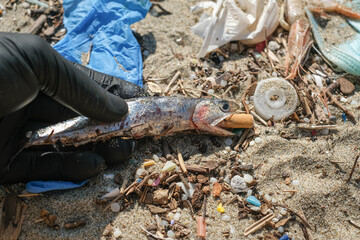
point(217, 188)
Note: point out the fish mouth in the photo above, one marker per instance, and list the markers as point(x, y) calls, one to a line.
point(232, 120)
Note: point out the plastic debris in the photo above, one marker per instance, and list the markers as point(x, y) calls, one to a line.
point(275, 97)
point(156, 182)
point(169, 166)
point(113, 193)
point(201, 227)
point(343, 117)
point(117, 233)
point(226, 218)
point(281, 229)
point(149, 163)
point(345, 55)
point(295, 182)
point(188, 192)
point(238, 184)
point(248, 178)
point(254, 201)
point(106, 25)
point(171, 234)
point(115, 207)
point(285, 237)
point(230, 23)
point(220, 208)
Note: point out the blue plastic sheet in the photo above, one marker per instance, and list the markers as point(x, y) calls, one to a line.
point(105, 24)
point(46, 186)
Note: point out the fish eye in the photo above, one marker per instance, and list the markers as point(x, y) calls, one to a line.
point(225, 106)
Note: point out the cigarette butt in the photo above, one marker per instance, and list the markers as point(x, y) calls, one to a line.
point(201, 227)
point(149, 163)
point(238, 121)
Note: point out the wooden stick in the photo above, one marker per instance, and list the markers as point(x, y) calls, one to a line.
point(118, 197)
point(259, 224)
point(176, 76)
point(181, 161)
point(242, 138)
point(263, 122)
point(30, 195)
point(37, 24)
point(353, 168)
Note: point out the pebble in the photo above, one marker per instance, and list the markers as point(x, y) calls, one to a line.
point(221, 58)
point(117, 233)
point(193, 76)
point(238, 183)
point(164, 223)
point(226, 218)
point(342, 99)
point(228, 149)
point(295, 182)
point(324, 131)
point(267, 197)
point(354, 102)
point(249, 193)
point(171, 234)
point(248, 178)
point(255, 208)
point(146, 53)
point(25, 5)
point(258, 140)
point(211, 91)
point(252, 143)
point(254, 201)
point(318, 80)
point(169, 166)
point(115, 207)
point(150, 182)
point(281, 229)
point(283, 211)
point(227, 179)
point(228, 141)
point(273, 46)
point(109, 176)
point(213, 180)
point(275, 220)
point(171, 215)
point(139, 172)
point(223, 83)
point(346, 87)
point(184, 197)
point(333, 119)
point(306, 120)
point(177, 216)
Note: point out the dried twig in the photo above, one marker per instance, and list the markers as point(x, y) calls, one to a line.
point(176, 77)
point(181, 161)
point(259, 224)
point(353, 168)
point(354, 223)
point(153, 235)
point(260, 119)
point(242, 138)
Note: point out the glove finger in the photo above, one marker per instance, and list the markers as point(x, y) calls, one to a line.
point(117, 86)
point(115, 151)
point(31, 166)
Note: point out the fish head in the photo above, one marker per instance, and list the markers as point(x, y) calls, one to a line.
point(209, 113)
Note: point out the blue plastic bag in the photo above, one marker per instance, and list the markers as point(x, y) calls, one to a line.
point(46, 186)
point(105, 24)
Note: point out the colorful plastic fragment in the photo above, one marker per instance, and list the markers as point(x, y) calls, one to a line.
point(254, 201)
point(220, 208)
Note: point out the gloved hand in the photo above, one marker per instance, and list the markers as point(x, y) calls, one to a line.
point(39, 87)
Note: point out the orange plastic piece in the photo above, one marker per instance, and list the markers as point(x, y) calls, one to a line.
point(201, 227)
point(217, 188)
point(237, 120)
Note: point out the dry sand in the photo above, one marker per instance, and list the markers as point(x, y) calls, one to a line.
point(323, 195)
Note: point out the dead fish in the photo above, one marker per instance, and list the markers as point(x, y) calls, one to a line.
point(148, 116)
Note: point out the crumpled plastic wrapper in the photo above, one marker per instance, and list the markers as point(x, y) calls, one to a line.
point(231, 20)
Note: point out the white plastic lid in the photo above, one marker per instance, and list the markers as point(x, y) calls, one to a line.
point(275, 97)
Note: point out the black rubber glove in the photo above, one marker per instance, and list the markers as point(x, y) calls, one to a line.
point(29, 61)
point(33, 66)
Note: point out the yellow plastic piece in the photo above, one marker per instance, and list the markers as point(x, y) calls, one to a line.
point(220, 208)
point(149, 163)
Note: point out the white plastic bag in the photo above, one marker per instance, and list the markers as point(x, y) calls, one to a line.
point(231, 20)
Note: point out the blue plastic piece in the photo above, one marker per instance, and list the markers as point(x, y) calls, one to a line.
point(105, 24)
point(254, 201)
point(46, 186)
point(285, 237)
point(343, 117)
